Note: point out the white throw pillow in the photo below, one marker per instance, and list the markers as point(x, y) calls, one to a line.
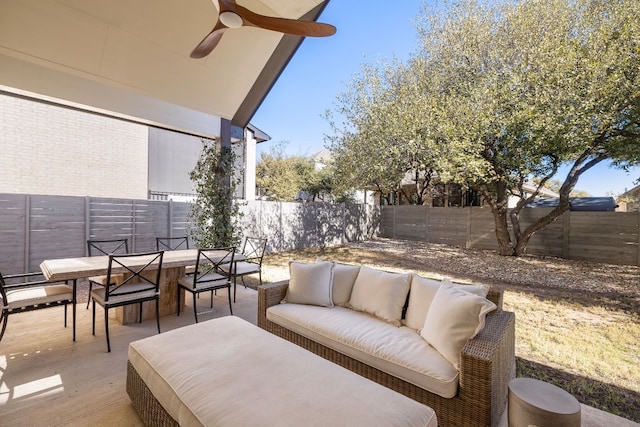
point(480, 290)
point(344, 277)
point(420, 296)
point(455, 316)
point(380, 293)
point(310, 283)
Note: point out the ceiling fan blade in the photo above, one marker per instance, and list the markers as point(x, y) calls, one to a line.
point(231, 15)
point(206, 46)
point(285, 25)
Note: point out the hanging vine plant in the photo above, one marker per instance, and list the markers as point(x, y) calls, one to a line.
point(215, 214)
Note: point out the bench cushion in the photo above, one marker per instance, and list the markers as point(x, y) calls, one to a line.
point(398, 351)
point(227, 372)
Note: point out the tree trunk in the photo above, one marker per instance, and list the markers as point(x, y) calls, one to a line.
point(499, 208)
point(581, 165)
point(502, 232)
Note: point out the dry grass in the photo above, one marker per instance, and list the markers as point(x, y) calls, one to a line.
point(577, 323)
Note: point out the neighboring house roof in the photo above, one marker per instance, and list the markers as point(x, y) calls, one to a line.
point(322, 156)
point(633, 192)
point(543, 192)
point(607, 204)
point(132, 58)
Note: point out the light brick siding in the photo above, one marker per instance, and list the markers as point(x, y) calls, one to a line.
point(46, 149)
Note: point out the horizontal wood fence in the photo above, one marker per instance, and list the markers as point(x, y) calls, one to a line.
point(38, 227)
point(608, 237)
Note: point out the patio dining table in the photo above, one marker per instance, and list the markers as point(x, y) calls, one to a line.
point(173, 268)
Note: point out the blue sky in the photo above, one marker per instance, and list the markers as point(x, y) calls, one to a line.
point(322, 67)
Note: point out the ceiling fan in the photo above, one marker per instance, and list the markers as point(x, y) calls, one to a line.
point(233, 15)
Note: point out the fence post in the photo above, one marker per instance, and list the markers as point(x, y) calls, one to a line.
point(566, 226)
point(170, 219)
point(638, 228)
point(133, 226)
point(87, 223)
point(27, 233)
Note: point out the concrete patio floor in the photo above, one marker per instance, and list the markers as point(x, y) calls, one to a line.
point(47, 379)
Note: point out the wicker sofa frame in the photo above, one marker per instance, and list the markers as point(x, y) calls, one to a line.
point(149, 409)
point(487, 364)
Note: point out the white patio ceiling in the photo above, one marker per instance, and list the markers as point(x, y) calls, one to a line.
point(131, 57)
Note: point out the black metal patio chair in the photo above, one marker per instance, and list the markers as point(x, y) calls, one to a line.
point(208, 276)
point(105, 247)
point(141, 284)
point(253, 250)
point(20, 293)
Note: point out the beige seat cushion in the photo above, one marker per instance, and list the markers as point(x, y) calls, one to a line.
point(399, 351)
point(243, 267)
point(38, 295)
point(143, 292)
point(102, 280)
point(205, 281)
point(228, 372)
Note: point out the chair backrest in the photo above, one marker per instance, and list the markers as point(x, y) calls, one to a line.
point(253, 249)
point(209, 264)
point(142, 271)
point(172, 243)
point(106, 247)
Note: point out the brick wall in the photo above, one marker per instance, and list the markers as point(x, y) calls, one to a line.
point(47, 149)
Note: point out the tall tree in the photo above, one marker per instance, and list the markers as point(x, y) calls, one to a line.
point(276, 176)
point(382, 141)
point(529, 86)
point(507, 92)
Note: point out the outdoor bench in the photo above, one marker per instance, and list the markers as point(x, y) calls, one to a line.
point(486, 362)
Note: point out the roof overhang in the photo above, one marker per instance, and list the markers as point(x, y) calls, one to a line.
point(131, 58)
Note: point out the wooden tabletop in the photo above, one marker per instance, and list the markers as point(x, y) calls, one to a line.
point(77, 268)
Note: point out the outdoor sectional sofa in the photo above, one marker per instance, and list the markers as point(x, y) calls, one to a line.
point(386, 327)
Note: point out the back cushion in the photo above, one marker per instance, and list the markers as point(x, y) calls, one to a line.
point(310, 283)
point(380, 293)
point(422, 292)
point(344, 277)
point(455, 317)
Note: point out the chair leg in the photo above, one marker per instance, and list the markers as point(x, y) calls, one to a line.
point(179, 301)
point(89, 297)
point(244, 284)
point(195, 311)
point(211, 302)
point(93, 320)
point(4, 318)
point(65, 315)
point(229, 293)
point(106, 328)
point(140, 313)
point(74, 317)
point(158, 313)
point(235, 281)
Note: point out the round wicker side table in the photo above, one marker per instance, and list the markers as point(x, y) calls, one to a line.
point(540, 404)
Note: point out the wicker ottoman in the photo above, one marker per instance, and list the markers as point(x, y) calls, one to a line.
point(540, 404)
point(228, 372)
